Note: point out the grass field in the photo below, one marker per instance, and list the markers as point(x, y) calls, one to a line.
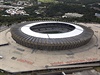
point(46, 1)
point(2, 73)
point(97, 68)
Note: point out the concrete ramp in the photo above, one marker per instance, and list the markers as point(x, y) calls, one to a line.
point(3, 40)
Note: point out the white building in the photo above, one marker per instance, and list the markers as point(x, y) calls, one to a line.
point(97, 15)
point(21, 3)
point(24, 3)
point(67, 15)
point(16, 12)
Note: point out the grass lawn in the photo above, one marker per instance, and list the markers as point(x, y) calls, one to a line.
point(2, 73)
point(97, 68)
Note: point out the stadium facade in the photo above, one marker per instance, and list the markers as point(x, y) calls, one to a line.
point(51, 35)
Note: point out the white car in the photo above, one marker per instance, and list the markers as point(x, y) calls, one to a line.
point(1, 57)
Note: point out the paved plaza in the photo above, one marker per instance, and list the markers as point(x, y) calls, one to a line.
point(17, 58)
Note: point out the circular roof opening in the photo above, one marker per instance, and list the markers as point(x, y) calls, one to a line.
point(52, 28)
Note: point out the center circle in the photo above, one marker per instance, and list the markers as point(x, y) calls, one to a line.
point(52, 28)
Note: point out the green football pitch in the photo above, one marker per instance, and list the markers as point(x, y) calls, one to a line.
point(46, 1)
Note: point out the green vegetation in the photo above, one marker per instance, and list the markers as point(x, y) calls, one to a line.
point(30, 10)
point(52, 32)
point(54, 11)
point(80, 1)
point(2, 73)
point(97, 68)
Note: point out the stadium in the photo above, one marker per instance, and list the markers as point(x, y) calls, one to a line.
point(51, 35)
point(45, 47)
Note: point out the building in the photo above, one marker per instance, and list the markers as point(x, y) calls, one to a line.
point(43, 36)
point(51, 35)
point(24, 3)
point(16, 11)
point(97, 15)
point(69, 15)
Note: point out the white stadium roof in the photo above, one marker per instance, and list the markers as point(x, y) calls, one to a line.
point(26, 29)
